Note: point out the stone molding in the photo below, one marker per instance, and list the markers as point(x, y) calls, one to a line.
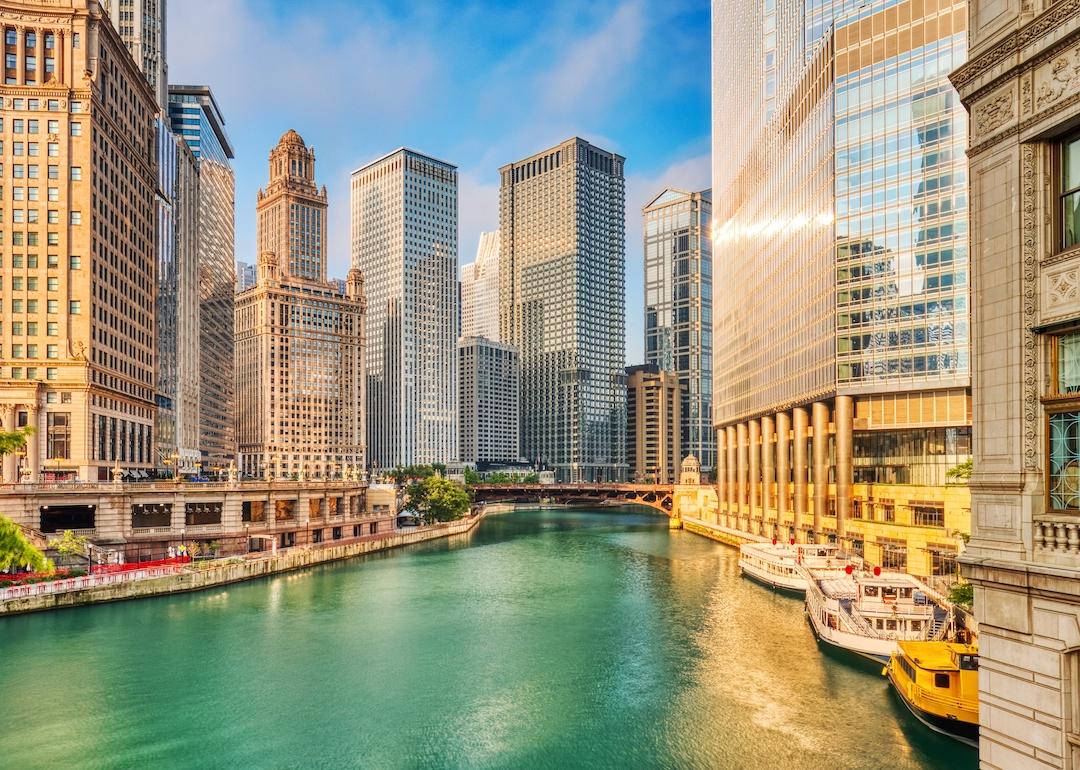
point(1030, 302)
point(993, 113)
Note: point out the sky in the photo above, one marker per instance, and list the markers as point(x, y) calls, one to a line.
point(477, 83)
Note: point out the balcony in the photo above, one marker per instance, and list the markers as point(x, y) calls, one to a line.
point(1055, 539)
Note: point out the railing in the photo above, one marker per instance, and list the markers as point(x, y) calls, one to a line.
point(1057, 535)
point(81, 583)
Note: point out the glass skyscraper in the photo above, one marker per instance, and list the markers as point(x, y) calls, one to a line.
point(196, 118)
point(562, 267)
point(842, 366)
point(678, 310)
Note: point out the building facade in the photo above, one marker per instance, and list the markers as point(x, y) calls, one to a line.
point(77, 303)
point(842, 365)
point(562, 288)
point(246, 276)
point(142, 25)
point(1021, 87)
point(299, 341)
point(196, 118)
point(489, 379)
point(654, 424)
point(678, 309)
point(480, 291)
point(177, 309)
point(404, 239)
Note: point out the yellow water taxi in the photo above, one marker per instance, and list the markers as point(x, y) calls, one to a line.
point(939, 683)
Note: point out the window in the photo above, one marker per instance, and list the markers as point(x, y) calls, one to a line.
point(54, 217)
point(54, 126)
point(1070, 192)
point(76, 129)
point(54, 150)
point(74, 263)
point(52, 351)
point(75, 307)
point(52, 329)
point(76, 217)
point(58, 435)
point(76, 173)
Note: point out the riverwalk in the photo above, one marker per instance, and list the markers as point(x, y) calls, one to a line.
point(111, 588)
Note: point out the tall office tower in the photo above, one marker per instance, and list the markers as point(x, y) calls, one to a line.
point(404, 239)
point(842, 368)
point(177, 308)
point(196, 118)
point(299, 340)
point(488, 373)
point(480, 291)
point(654, 402)
point(561, 292)
point(246, 276)
point(77, 343)
point(1021, 88)
point(678, 309)
point(142, 24)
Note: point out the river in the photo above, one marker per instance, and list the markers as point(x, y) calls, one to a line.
point(559, 638)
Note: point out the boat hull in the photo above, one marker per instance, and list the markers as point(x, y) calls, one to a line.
point(793, 585)
point(965, 732)
point(874, 650)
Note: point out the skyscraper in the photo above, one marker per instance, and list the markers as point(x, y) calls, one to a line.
point(678, 309)
point(842, 366)
point(142, 25)
point(196, 118)
point(77, 348)
point(488, 374)
point(561, 293)
point(404, 239)
point(480, 291)
point(246, 276)
point(654, 400)
point(177, 308)
point(299, 340)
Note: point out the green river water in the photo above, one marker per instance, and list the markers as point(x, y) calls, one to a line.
point(559, 638)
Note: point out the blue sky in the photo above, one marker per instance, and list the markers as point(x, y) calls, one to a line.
point(479, 84)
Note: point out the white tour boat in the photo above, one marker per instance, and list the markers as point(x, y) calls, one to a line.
point(783, 565)
point(868, 613)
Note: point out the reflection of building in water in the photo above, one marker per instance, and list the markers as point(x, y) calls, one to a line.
point(842, 385)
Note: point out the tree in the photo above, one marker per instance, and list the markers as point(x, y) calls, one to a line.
point(438, 499)
point(17, 552)
point(74, 545)
point(13, 441)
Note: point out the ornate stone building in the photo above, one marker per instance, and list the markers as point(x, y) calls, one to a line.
point(1021, 84)
point(299, 340)
point(77, 318)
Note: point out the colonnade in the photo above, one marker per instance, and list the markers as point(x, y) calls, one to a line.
point(789, 473)
point(31, 455)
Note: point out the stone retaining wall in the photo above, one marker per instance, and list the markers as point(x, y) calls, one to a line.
point(233, 572)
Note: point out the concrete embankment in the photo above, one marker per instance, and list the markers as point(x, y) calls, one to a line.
point(721, 534)
point(231, 570)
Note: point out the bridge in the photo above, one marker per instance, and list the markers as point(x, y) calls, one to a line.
point(659, 497)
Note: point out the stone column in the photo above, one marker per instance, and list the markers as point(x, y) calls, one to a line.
point(39, 52)
point(820, 418)
point(732, 469)
point(768, 479)
point(754, 450)
point(721, 468)
point(20, 54)
point(845, 470)
point(783, 467)
point(35, 443)
point(11, 460)
point(801, 419)
point(743, 464)
point(61, 57)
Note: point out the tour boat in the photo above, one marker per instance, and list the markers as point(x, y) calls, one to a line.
point(869, 613)
point(783, 566)
point(939, 683)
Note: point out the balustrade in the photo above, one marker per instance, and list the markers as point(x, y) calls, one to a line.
point(1060, 535)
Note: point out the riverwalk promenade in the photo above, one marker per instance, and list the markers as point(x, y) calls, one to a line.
point(202, 575)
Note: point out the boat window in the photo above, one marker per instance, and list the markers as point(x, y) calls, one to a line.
point(832, 621)
point(870, 591)
point(880, 624)
point(916, 625)
point(888, 594)
point(941, 680)
point(969, 662)
point(905, 593)
point(890, 624)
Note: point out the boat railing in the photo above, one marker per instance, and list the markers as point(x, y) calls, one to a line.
point(927, 696)
point(861, 626)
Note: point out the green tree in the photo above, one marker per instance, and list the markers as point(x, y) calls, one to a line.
point(472, 478)
point(439, 468)
point(74, 545)
point(13, 441)
point(963, 594)
point(17, 552)
point(438, 499)
point(532, 478)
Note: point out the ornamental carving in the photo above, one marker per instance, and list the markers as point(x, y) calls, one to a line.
point(1063, 78)
point(1030, 301)
point(1025, 95)
point(1061, 288)
point(993, 114)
